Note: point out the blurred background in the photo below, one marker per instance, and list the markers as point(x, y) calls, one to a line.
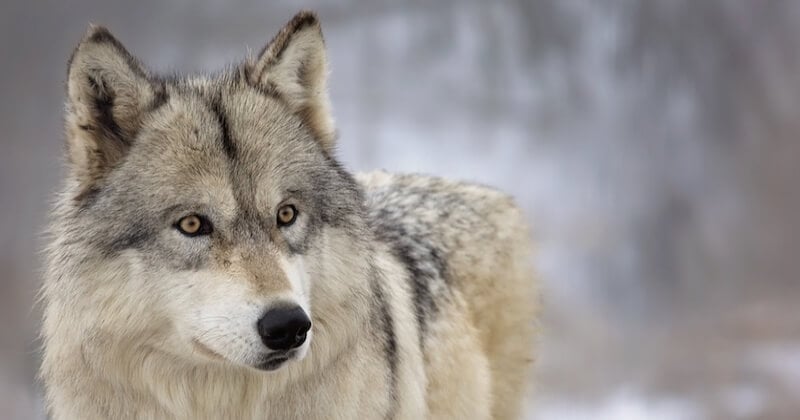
point(653, 144)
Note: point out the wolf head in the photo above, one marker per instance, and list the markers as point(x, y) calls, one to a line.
point(206, 216)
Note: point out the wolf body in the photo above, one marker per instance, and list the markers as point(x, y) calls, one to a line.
point(196, 207)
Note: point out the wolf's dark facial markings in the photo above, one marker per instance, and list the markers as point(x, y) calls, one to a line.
point(228, 144)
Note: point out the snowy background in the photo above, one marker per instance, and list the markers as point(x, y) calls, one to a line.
point(654, 145)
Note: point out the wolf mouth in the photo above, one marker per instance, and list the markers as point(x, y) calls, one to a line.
point(275, 361)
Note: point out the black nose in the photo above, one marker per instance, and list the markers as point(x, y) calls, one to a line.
point(284, 328)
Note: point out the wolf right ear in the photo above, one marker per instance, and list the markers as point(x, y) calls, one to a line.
point(108, 91)
point(294, 66)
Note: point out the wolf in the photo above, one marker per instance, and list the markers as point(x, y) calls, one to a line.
point(210, 258)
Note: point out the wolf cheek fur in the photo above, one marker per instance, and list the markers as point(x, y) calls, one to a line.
point(419, 290)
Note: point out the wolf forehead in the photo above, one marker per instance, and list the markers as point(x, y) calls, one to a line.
point(210, 123)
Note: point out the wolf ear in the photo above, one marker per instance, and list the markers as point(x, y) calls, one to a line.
point(107, 91)
point(294, 66)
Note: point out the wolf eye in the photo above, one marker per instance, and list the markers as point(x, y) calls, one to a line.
point(286, 215)
point(194, 225)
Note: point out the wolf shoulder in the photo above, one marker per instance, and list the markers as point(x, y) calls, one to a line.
point(454, 215)
point(474, 289)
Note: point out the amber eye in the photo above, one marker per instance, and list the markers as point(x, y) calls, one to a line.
point(286, 215)
point(194, 225)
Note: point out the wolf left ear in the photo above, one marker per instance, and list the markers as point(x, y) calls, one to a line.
point(108, 92)
point(294, 65)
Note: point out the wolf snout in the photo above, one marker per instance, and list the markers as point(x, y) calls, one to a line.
point(284, 328)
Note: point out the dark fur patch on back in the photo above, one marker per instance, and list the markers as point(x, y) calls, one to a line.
point(422, 260)
point(133, 237)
